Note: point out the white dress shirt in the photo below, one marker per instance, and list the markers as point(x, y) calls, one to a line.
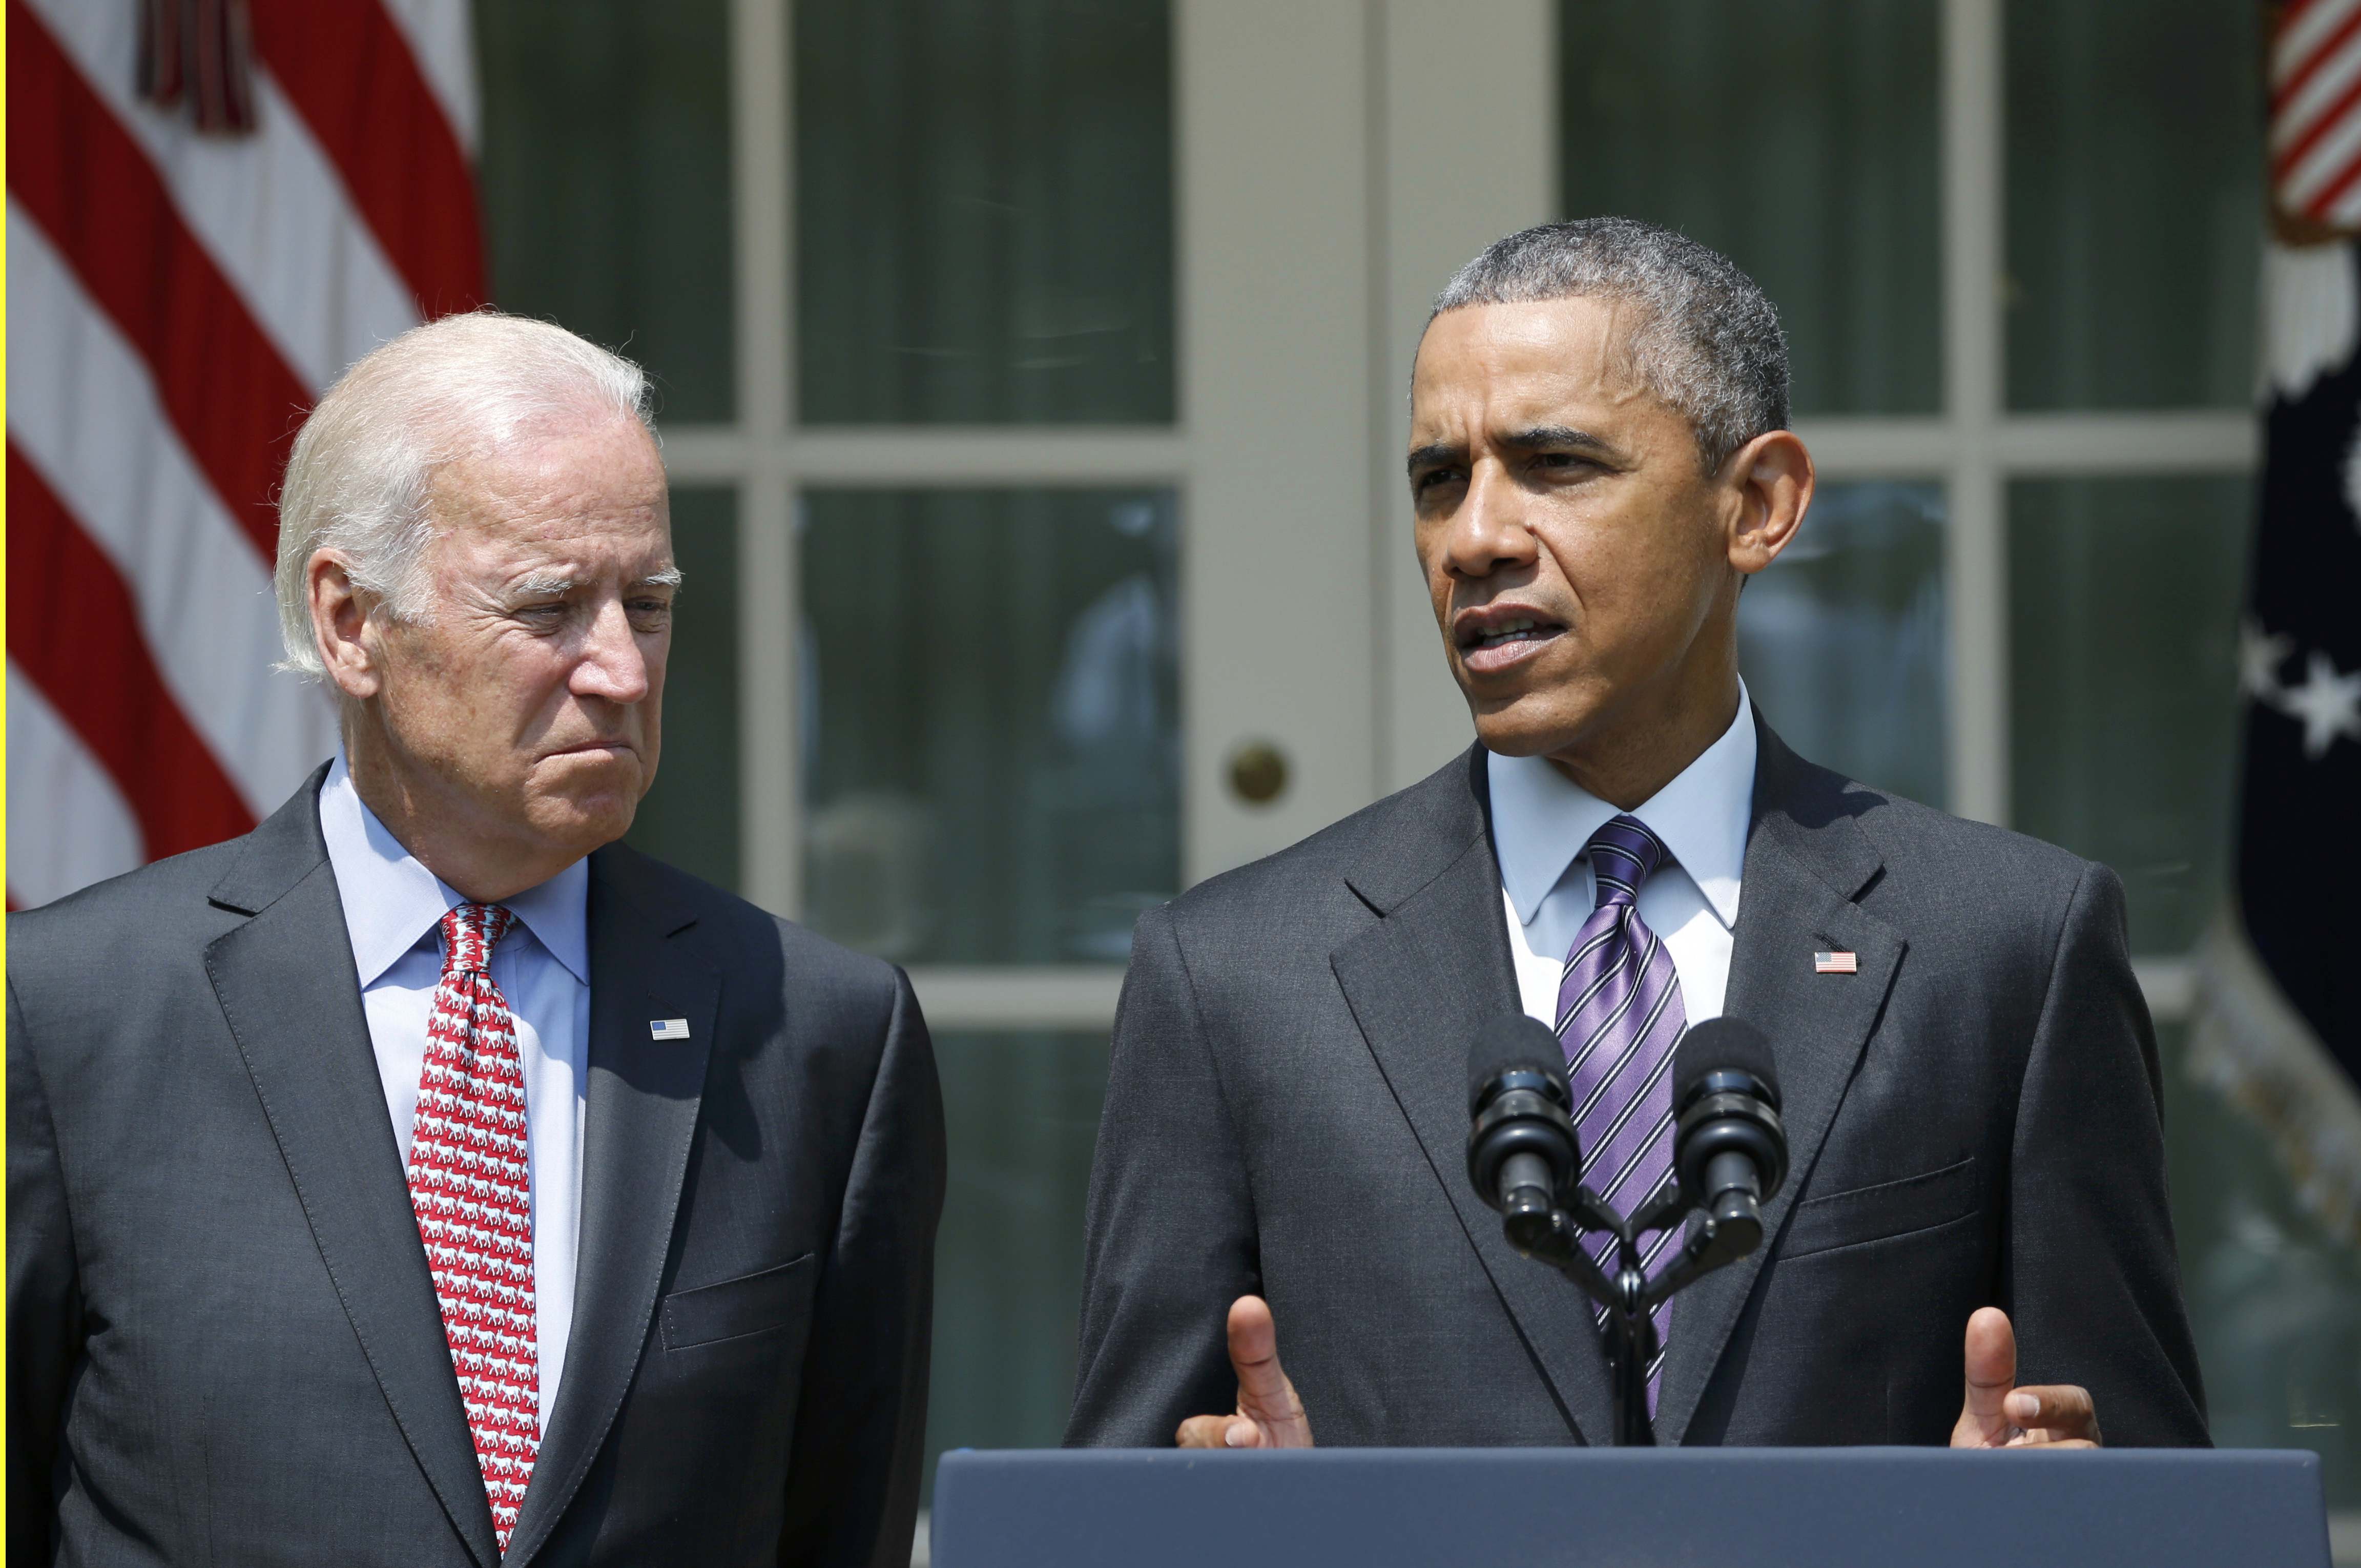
point(394, 906)
point(1541, 823)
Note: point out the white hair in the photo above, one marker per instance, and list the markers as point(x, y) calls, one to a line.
point(358, 482)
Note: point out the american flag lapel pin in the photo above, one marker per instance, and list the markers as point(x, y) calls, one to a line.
point(1836, 963)
point(674, 1028)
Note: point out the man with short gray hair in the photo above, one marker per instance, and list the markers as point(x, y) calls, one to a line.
point(1598, 459)
point(426, 1177)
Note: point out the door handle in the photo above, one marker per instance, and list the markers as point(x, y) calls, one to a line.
point(1257, 772)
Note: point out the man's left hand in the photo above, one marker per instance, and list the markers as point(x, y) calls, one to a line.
point(1999, 1414)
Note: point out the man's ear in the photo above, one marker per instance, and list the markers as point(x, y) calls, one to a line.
point(340, 626)
point(1773, 476)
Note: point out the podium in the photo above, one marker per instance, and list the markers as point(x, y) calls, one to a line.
point(1605, 1507)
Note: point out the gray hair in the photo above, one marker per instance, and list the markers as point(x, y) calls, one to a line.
point(358, 482)
point(1706, 341)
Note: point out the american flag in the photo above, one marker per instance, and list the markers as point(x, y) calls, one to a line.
point(213, 206)
point(2315, 133)
point(2278, 1022)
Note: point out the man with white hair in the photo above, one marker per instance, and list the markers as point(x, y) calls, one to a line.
point(426, 1177)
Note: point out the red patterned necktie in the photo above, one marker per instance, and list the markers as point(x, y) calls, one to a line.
point(471, 1186)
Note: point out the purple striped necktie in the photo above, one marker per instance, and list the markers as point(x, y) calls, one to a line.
point(1618, 1014)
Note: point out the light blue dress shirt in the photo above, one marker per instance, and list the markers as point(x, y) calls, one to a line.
point(1540, 822)
point(393, 909)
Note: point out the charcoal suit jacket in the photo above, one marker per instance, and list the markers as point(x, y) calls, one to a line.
point(224, 1343)
point(1972, 1119)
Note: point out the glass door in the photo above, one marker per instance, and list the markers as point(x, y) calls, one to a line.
point(985, 554)
point(1072, 533)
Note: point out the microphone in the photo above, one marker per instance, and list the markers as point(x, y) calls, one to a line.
point(1729, 1150)
point(1729, 1156)
point(1521, 1154)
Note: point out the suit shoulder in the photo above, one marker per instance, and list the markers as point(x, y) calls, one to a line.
point(135, 907)
point(1918, 838)
point(1913, 840)
point(1968, 883)
point(85, 968)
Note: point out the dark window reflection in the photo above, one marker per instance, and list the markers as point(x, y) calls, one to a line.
point(1022, 1118)
point(984, 212)
point(2124, 606)
point(1799, 137)
point(2134, 202)
point(991, 722)
point(605, 174)
point(1841, 639)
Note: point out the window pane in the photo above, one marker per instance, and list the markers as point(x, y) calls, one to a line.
point(2123, 610)
point(2134, 202)
point(690, 817)
point(991, 743)
point(1841, 639)
point(1022, 1118)
point(984, 211)
point(1800, 139)
point(2274, 1299)
point(605, 173)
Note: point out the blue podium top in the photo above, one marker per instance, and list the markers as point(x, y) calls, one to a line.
point(1728, 1508)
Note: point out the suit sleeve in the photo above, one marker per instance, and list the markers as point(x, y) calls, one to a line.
point(44, 1301)
point(860, 1445)
point(2093, 1282)
point(1170, 1240)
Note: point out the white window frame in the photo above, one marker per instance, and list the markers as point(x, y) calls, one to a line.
point(1412, 201)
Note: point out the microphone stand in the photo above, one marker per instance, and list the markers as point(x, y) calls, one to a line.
point(1728, 1231)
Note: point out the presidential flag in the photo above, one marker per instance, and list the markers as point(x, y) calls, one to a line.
point(214, 207)
point(2278, 1025)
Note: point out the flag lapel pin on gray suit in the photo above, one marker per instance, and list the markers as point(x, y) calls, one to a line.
point(667, 1028)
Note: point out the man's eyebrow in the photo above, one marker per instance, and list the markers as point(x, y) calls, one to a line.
point(1539, 438)
point(558, 587)
point(1434, 455)
point(1555, 437)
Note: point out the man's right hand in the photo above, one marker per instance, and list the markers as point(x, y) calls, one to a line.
point(1268, 1414)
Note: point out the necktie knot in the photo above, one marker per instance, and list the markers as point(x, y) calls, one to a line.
point(1623, 854)
point(470, 932)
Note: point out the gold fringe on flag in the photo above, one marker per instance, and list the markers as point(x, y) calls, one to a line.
point(2249, 1044)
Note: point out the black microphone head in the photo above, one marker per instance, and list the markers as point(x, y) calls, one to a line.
point(1723, 1044)
point(1514, 1043)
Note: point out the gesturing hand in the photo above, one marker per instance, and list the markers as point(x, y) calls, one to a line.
point(1268, 1413)
point(1999, 1414)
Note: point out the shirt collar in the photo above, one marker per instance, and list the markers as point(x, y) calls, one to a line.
point(1542, 820)
point(393, 902)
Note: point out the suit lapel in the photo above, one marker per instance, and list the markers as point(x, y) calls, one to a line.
point(643, 1100)
point(1807, 860)
point(1434, 968)
point(287, 986)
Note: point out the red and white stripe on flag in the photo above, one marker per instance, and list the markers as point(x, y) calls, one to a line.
point(2315, 117)
point(176, 301)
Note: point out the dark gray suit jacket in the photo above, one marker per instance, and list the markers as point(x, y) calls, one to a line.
point(224, 1344)
point(1972, 1119)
